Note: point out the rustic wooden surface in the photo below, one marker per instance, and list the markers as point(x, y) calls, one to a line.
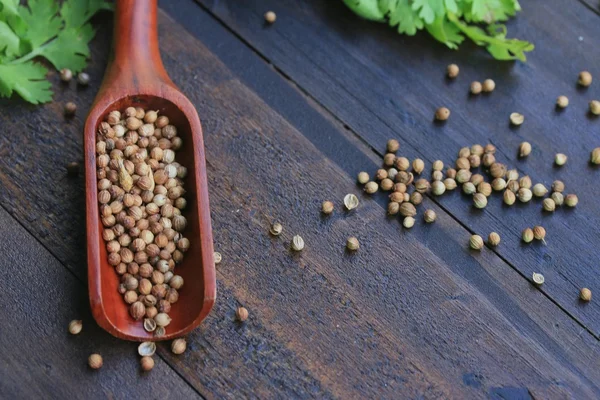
point(291, 113)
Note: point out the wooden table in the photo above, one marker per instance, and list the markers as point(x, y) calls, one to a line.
point(291, 113)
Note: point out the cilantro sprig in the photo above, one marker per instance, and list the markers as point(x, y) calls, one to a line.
point(43, 29)
point(450, 21)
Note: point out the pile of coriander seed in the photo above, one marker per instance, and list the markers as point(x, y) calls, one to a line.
point(140, 191)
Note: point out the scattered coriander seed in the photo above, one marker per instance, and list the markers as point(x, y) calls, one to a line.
point(147, 349)
point(70, 108)
point(406, 197)
point(558, 186)
point(422, 185)
point(241, 314)
point(393, 208)
point(479, 200)
point(537, 278)
point(527, 235)
point(585, 79)
point(178, 346)
point(75, 326)
point(363, 178)
point(418, 165)
point(475, 87)
point(513, 186)
point(498, 170)
point(476, 242)
point(595, 107)
point(494, 239)
point(462, 175)
point(160, 331)
point(408, 210)
point(524, 195)
point(474, 161)
point(462, 163)
point(549, 205)
point(451, 173)
point(217, 257)
point(437, 176)
point(297, 243)
point(442, 114)
point(488, 86)
point(516, 118)
point(524, 149)
point(488, 159)
point(270, 17)
point(402, 163)
point(560, 159)
point(389, 159)
point(452, 71)
point(276, 229)
point(149, 325)
point(585, 294)
point(393, 146)
point(539, 233)
point(397, 197)
point(562, 102)
point(352, 244)
point(438, 188)
point(351, 201)
point(408, 222)
point(558, 198)
point(95, 361)
point(381, 174)
point(595, 156)
point(66, 75)
point(162, 319)
point(539, 190)
point(429, 216)
point(498, 184)
point(438, 165)
point(476, 179)
point(525, 182)
point(416, 198)
point(387, 184)
point(83, 79)
point(73, 169)
point(147, 363)
point(450, 184)
point(512, 175)
point(469, 188)
point(327, 207)
point(371, 187)
point(485, 189)
point(509, 197)
point(477, 150)
point(489, 148)
point(392, 172)
point(571, 200)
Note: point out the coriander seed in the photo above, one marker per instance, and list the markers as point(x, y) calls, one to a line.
point(539, 190)
point(381, 174)
point(474, 161)
point(147, 349)
point(371, 187)
point(562, 102)
point(408, 210)
point(276, 229)
point(494, 239)
point(488, 86)
point(95, 361)
point(539, 233)
point(475, 87)
point(498, 170)
point(83, 79)
point(70, 108)
point(418, 165)
point(270, 17)
point(527, 235)
point(437, 176)
point(477, 150)
point(462, 163)
point(352, 244)
point(149, 324)
point(558, 198)
point(476, 179)
point(392, 146)
point(512, 175)
point(389, 159)
point(524, 149)
point(595, 156)
point(442, 114)
point(525, 182)
point(452, 71)
point(538, 279)
point(75, 326)
point(488, 159)
point(327, 207)
point(386, 184)
point(241, 314)
point(489, 148)
point(524, 195)
point(585, 294)
point(517, 119)
point(585, 79)
point(479, 200)
point(450, 184)
point(408, 222)
point(397, 197)
point(571, 200)
point(363, 177)
point(451, 173)
point(438, 165)
point(393, 208)
point(147, 363)
point(429, 216)
point(217, 257)
point(549, 205)
point(416, 198)
point(513, 186)
point(476, 242)
point(422, 185)
point(498, 184)
point(560, 159)
point(297, 243)
point(178, 346)
point(558, 186)
point(402, 163)
point(351, 201)
point(66, 75)
point(392, 172)
point(438, 188)
point(469, 188)
point(595, 107)
point(485, 189)
point(462, 176)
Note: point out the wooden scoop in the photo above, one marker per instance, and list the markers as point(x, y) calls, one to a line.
point(136, 77)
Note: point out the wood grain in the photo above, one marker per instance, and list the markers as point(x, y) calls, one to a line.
point(383, 85)
point(40, 359)
point(412, 314)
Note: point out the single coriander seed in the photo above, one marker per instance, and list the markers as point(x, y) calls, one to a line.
point(595, 107)
point(479, 200)
point(217, 257)
point(371, 187)
point(363, 178)
point(393, 146)
point(498, 184)
point(562, 102)
point(386, 184)
point(488, 86)
point(571, 200)
point(558, 186)
point(452, 71)
point(585, 79)
point(241, 314)
point(539, 190)
point(585, 294)
point(327, 207)
point(389, 159)
point(558, 198)
point(524, 149)
point(178, 346)
point(381, 174)
point(351, 201)
point(146, 363)
point(297, 243)
point(549, 205)
point(512, 175)
point(408, 222)
point(469, 188)
point(560, 159)
point(70, 108)
point(408, 209)
point(270, 17)
point(517, 119)
point(450, 184)
point(416, 198)
point(438, 188)
point(83, 79)
point(476, 87)
point(95, 361)
point(438, 165)
point(402, 163)
point(527, 235)
point(509, 197)
point(485, 189)
point(476, 242)
point(595, 156)
point(429, 216)
point(538, 279)
point(418, 165)
point(66, 75)
point(75, 326)
point(392, 172)
point(524, 195)
point(494, 239)
point(147, 349)
point(489, 148)
point(393, 207)
point(539, 233)
point(437, 176)
point(276, 229)
point(352, 244)
point(442, 114)
point(525, 182)
point(422, 185)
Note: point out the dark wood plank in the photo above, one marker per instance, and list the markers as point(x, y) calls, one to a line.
point(413, 314)
point(383, 85)
point(40, 359)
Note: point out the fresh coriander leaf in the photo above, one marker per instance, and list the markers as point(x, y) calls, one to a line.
point(28, 80)
point(426, 12)
point(405, 17)
point(446, 32)
point(451, 6)
point(368, 9)
point(70, 48)
point(9, 41)
point(42, 21)
point(77, 12)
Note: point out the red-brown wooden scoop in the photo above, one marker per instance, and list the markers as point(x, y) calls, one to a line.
point(136, 77)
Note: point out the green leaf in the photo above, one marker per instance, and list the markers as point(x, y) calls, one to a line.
point(406, 18)
point(28, 80)
point(426, 12)
point(77, 12)
point(70, 48)
point(368, 9)
point(446, 32)
point(42, 21)
point(9, 41)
